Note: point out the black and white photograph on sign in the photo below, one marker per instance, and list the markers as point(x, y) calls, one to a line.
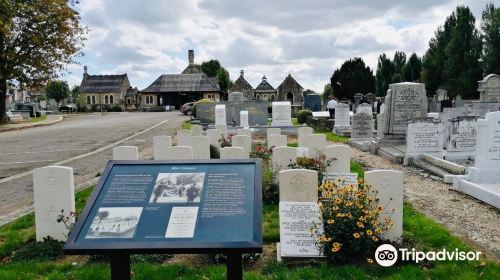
point(115, 222)
point(177, 187)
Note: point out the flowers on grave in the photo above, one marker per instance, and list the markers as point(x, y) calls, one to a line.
point(260, 150)
point(67, 220)
point(318, 164)
point(353, 228)
point(225, 142)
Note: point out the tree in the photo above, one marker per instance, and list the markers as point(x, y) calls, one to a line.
point(462, 68)
point(75, 92)
point(352, 77)
point(384, 74)
point(412, 69)
point(490, 27)
point(57, 90)
point(212, 68)
point(327, 92)
point(399, 62)
point(308, 91)
point(37, 40)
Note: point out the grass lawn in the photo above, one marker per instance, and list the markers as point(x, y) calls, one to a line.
point(330, 136)
point(187, 125)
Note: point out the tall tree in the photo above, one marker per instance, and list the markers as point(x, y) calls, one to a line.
point(462, 68)
point(352, 77)
point(434, 58)
point(490, 27)
point(385, 71)
point(399, 61)
point(37, 40)
point(412, 69)
point(327, 92)
point(213, 68)
point(57, 90)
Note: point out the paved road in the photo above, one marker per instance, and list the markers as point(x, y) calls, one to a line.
point(24, 150)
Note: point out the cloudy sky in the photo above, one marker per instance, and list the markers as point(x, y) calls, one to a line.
point(308, 39)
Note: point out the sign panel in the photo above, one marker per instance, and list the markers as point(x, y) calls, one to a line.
point(173, 206)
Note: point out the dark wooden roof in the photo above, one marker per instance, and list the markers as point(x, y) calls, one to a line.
point(241, 85)
point(264, 85)
point(104, 83)
point(183, 83)
point(289, 82)
point(192, 69)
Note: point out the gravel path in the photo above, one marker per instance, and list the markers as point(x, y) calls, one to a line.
point(475, 222)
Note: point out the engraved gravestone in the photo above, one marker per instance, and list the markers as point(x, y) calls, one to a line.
point(342, 179)
point(362, 126)
point(462, 138)
point(179, 152)
point(424, 136)
point(316, 144)
point(342, 119)
point(233, 153)
point(220, 114)
point(184, 138)
point(244, 119)
point(276, 140)
point(201, 147)
point(243, 141)
point(282, 113)
point(298, 185)
point(282, 157)
point(405, 101)
point(160, 145)
point(303, 131)
point(339, 158)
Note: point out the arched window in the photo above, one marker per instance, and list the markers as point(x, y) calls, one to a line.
point(264, 97)
point(289, 97)
point(93, 99)
point(88, 99)
point(111, 99)
point(258, 97)
point(106, 100)
point(273, 97)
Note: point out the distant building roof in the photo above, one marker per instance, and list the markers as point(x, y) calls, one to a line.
point(132, 92)
point(183, 83)
point(192, 69)
point(289, 82)
point(241, 84)
point(103, 83)
point(264, 85)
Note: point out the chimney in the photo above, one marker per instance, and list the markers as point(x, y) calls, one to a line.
point(264, 79)
point(85, 74)
point(191, 57)
point(242, 72)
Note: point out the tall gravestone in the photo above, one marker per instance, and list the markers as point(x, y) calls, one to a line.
point(282, 158)
point(54, 191)
point(220, 114)
point(339, 157)
point(244, 119)
point(160, 145)
point(184, 138)
point(461, 141)
point(364, 108)
point(201, 147)
point(214, 136)
point(125, 153)
point(362, 126)
point(282, 113)
point(389, 185)
point(424, 136)
point(243, 141)
point(404, 102)
point(381, 122)
point(342, 119)
point(315, 144)
point(302, 132)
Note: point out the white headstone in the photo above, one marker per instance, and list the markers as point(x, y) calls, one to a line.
point(201, 147)
point(244, 131)
point(298, 185)
point(302, 152)
point(339, 157)
point(184, 138)
point(160, 145)
point(54, 190)
point(342, 178)
point(364, 108)
point(215, 136)
point(196, 130)
point(316, 143)
point(220, 114)
point(223, 129)
point(282, 114)
point(273, 131)
point(276, 140)
point(302, 132)
point(233, 153)
point(389, 184)
point(424, 136)
point(404, 102)
point(296, 221)
point(342, 119)
point(282, 157)
point(433, 115)
point(461, 142)
point(125, 153)
point(243, 141)
point(179, 152)
point(244, 119)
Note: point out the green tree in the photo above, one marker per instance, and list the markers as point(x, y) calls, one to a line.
point(75, 92)
point(37, 40)
point(384, 74)
point(490, 27)
point(57, 90)
point(399, 62)
point(352, 77)
point(308, 91)
point(462, 68)
point(412, 69)
point(327, 92)
point(213, 68)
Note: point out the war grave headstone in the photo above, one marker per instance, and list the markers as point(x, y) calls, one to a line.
point(160, 145)
point(482, 179)
point(389, 185)
point(342, 119)
point(196, 130)
point(179, 152)
point(223, 129)
point(184, 138)
point(298, 211)
point(201, 147)
point(282, 157)
point(233, 153)
point(273, 131)
point(424, 136)
point(244, 119)
point(172, 207)
point(461, 141)
point(125, 153)
point(53, 191)
point(316, 144)
point(220, 114)
point(244, 131)
point(282, 113)
point(342, 178)
point(312, 102)
point(243, 141)
point(214, 136)
point(339, 158)
point(302, 132)
point(276, 140)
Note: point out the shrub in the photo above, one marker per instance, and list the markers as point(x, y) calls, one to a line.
point(352, 231)
point(47, 250)
point(225, 142)
point(214, 152)
point(193, 109)
point(150, 258)
point(260, 150)
point(302, 116)
point(270, 189)
point(317, 164)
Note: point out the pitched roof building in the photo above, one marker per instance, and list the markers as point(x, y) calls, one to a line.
point(241, 85)
point(290, 90)
point(265, 91)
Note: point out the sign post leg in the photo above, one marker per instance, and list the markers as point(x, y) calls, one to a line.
point(234, 266)
point(120, 267)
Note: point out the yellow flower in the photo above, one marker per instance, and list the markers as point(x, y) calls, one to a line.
point(369, 232)
point(356, 235)
point(393, 209)
point(360, 224)
point(374, 238)
point(330, 221)
point(369, 260)
point(378, 231)
point(374, 223)
point(349, 215)
point(338, 200)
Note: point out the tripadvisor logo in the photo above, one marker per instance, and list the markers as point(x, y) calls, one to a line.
point(387, 255)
